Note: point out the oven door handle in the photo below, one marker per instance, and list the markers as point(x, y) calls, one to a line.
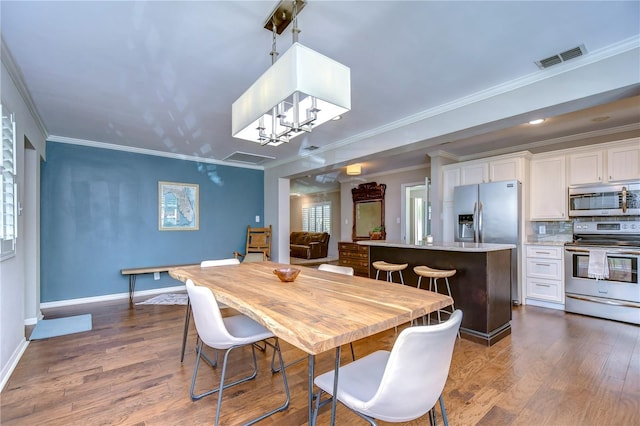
point(604, 301)
point(612, 253)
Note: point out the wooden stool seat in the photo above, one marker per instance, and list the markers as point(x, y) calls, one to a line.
point(425, 271)
point(389, 268)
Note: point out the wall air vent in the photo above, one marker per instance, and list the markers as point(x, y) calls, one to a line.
point(562, 57)
point(246, 158)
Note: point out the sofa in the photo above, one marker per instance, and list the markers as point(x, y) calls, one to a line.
point(308, 245)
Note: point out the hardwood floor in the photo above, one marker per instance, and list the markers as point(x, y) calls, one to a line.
point(555, 369)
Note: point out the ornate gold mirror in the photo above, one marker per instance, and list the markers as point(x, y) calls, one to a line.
point(368, 212)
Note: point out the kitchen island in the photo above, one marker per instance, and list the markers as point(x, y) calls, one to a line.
point(481, 287)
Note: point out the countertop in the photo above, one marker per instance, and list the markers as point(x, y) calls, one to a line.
point(440, 246)
point(545, 243)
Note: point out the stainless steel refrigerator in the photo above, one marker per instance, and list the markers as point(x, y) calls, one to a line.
point(490, 213)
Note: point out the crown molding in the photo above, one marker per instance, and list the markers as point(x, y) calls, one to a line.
point(104, 145)
point(524, 81)
point(18, 81)
point(556, 141)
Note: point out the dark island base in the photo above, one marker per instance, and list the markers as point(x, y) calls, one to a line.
point(481, 287)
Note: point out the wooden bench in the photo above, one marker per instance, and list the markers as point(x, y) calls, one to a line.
point(134, 272)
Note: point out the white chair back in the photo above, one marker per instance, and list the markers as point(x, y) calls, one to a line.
point(345, 270)
point(418, 365)
point(219, 262)
point(208, 318)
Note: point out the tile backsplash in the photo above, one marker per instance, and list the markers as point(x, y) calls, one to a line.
point(550, 231)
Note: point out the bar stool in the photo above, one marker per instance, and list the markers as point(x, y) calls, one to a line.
point(434, 275)
point(390, 268)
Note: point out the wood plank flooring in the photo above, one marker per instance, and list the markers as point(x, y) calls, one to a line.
point(554, 369)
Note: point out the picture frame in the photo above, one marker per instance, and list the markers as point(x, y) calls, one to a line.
point(178, 206)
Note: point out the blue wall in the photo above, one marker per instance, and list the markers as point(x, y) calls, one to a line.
point(99, 214)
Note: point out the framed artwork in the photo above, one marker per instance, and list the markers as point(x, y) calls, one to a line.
point(178, 206)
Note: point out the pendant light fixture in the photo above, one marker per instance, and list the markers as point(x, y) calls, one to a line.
point(300, 91)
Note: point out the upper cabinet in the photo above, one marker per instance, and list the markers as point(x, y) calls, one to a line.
point(548, 199)
point(506, 167)
point(623, 163)
point(474, 173)
point(616, 164)
point(586, 167)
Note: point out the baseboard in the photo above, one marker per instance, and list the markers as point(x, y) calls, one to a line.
point(109, 297)
point(543, 304)
point(11, 364)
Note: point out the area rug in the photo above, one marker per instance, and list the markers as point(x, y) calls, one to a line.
point(166, 299)
point(45, 329)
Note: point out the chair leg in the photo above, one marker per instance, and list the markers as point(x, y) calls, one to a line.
point(186, 329)
point(444, 411)
point(401, 277)
point(195, 397)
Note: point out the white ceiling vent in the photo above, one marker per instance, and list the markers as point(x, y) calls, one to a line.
point(562, 57)
point(246, 158)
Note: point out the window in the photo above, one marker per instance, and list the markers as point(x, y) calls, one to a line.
point(317, 218)
point(8, 187)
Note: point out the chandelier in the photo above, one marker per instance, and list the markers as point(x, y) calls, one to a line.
point(300, 91)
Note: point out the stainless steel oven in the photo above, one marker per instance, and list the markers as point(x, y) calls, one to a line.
point(617, 296)
point(605, 200)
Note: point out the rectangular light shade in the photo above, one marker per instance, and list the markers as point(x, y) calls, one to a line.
point(301, 70)
point(354, 169)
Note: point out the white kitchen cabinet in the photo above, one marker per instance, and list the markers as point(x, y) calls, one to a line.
point(545, 275)
point(506, 169)
point(586, 167)
point(474, 173)
point(450, 179)
point(448, 223)
point(623, 163)
point(548, 196)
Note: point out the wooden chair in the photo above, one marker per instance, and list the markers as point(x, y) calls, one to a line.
point(258, 241)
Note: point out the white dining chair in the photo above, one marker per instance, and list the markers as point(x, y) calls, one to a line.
point(345, 270)
point(203, 264)
point(227, 334)
point(401, 385)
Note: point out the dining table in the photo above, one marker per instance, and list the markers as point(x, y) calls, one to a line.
point(317, 312)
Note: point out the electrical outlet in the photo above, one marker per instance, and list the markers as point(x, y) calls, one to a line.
point(542, 229)
point(257, 219)
point(156, 276)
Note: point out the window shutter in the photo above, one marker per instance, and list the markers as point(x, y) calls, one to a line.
point(8, 187)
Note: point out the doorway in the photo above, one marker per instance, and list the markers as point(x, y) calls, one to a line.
point(416, 212)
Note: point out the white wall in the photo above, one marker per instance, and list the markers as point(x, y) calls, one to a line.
point(392, 200)
point(15, 271)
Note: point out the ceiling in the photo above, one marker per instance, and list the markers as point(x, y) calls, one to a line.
point(161, 76)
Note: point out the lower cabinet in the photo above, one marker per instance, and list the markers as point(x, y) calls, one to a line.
point(355, 256)
point(545, 276)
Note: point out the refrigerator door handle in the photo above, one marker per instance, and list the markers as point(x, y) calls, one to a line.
point(475, 222)
point(481, 237)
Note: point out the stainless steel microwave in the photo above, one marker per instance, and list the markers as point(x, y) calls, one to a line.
point(605, 200)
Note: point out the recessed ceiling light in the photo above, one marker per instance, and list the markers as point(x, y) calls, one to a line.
point(538, 121)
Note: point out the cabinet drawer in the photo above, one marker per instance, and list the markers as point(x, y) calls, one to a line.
point(546, 252)
point(544, 289)
point(544, 268)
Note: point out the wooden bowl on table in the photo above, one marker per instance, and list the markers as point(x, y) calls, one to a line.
point(287, 275)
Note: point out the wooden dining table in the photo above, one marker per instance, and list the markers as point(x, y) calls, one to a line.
point(317, 312)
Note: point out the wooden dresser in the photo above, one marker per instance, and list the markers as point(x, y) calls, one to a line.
point(355, 256)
